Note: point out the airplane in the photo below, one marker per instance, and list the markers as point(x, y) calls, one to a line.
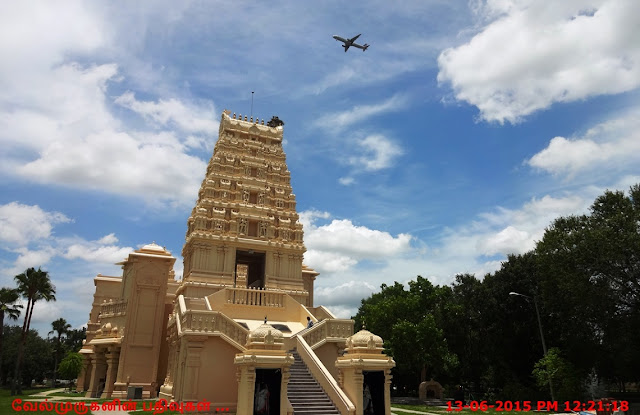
point(350, 42)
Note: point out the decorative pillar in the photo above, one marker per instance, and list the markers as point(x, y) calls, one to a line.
point(85, 374)
point(98, 362)
point(112, 359)
point(191, 374)
point(365, 373)
point(246, 376)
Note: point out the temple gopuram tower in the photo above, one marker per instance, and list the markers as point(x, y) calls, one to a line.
point(244, 230)
point(240, 330)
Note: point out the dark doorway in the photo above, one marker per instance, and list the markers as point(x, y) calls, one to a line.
point(266, 398)
point(255, 263)
point(373, 389)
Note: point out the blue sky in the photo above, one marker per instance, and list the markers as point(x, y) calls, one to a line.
point(454, 140)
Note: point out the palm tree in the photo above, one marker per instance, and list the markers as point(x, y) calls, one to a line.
point(61, 327)
point(8, 297)
point(34, 285)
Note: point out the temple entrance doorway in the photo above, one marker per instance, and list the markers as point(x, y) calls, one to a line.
point(266, 400)
point(373, 392)
point(250, 269)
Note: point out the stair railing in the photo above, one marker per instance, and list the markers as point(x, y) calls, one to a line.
point(327, 330)
point(324, 378)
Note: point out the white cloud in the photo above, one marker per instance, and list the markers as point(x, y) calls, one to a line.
point(108, 239)
point(97, 254)
point(120, 163)
point(31, 258)
point(377, 152)
point(340, 120)
point(532, 54)
point(27, 235)
point(346, 181)
point(21, 224)
point(357, 241)
point(611, 145)
point(57, 122)
point(187, 117)
point(478, 247)
point(340, 245)
point(101, 251)
point(328, 261)
point(343, 300)
point(516, 231)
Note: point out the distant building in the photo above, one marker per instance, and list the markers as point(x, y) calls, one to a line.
point(228, 332)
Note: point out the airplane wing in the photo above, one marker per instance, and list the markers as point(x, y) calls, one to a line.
point(353, 39)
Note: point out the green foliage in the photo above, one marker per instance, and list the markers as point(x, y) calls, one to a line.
point(560, 372)
point(406, 320)
point(591, 265)
point(585, 277)
point(71, 366)
point(8, 308)
point(38, 355)
point(34, 285)
point(60, 327)
point(73, 339)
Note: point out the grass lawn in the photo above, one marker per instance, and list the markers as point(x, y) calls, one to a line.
point(6, 399)
point(442, 410)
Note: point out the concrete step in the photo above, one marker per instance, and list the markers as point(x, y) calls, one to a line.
point(304, 392)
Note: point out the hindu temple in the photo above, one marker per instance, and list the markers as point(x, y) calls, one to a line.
point(240, 329)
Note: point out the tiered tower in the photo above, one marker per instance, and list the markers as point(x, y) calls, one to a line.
point(244, 230)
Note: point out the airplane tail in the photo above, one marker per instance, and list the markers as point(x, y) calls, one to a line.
point(364, 47)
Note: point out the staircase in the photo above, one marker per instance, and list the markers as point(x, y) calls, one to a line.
point(305, 394)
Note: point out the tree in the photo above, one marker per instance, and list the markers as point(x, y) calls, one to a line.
point(558, 370)
point(407, 322)
point(8, 308)
point(71, 366)
point(38, 355)
point(591, 271)
point(61, 327)
point(74, 338)
point(34, 285)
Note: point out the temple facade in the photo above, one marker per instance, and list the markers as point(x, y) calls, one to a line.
point(234, 331)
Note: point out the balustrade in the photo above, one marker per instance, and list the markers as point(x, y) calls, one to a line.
point(213, 321)
point(254, 296)
point(117, 307)
point(328, 329)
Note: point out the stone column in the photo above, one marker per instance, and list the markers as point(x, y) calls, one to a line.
point(98, 362)
point(85, 374)
point(192, 369)
point(112, 359)
point(246, 385)
point(284, 384)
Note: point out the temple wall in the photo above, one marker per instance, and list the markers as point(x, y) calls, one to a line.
point(208, 372)
point(145, 283)
point(107, 288)
point(328, 353)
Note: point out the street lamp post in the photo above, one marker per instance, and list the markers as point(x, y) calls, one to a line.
point(544, 344)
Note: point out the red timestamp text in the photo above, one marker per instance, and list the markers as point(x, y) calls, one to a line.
point(525, 406)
